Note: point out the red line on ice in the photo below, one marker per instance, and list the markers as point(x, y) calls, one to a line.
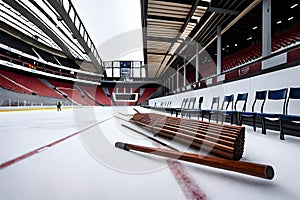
point(35, 151)
point(189, 187)
point(187, 184)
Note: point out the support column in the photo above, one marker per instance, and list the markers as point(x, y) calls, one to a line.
point(197, 64)
point(177, 79)
point(219, 50)
point(266, 28)
point(172, 83)
point(169, 83)
point(184, 72)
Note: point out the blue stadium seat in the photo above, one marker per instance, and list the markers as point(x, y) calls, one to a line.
point(190, 112)
point(240, 98)
point(213, 109)
point(276, 95)
point(259, 96)
point(226, 102)
point(178, 110)
point(293, 95)
point(190, 106)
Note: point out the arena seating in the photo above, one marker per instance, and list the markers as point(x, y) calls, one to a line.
point(279, 40)
point(98, 94)
point(286, 38)
point(72, 92)
point(11, 98)
point(11, 85)
point(241, 57)
point(31, 83)
point(148, 92)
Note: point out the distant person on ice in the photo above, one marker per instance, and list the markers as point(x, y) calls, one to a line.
point(58, 105)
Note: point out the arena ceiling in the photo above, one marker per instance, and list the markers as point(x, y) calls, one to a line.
point(171, 25)
point(54, 24)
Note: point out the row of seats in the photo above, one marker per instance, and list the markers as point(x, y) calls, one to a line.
point(284, 95)
point(98, 94)
point(148, 92)
point(238, 108)
point(10, 98)
point(72, 92)
point(32, 83)
point(279, 40)
point(241, 57)
point(85, 95)
point(286, 38)
point(9, 84)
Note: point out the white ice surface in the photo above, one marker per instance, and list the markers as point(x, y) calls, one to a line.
point(87, 166)
point(23, 131)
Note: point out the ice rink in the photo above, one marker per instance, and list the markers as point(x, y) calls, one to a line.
point(47, 154)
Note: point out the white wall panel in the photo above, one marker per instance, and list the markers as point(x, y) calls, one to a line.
point(285, 78)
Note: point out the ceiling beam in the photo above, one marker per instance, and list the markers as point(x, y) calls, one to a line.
point(170, 18)
point(17, 34)
point(186, 21)
point(234, 21)
point(156, 53)
point(15, 5)
point(223, 11)
point(161, 39)
point(188, 2)
point(84, 39)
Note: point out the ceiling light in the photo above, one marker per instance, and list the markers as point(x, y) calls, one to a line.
point(227, 46)
point(235, 45)
point(293, 6)
point(249, 38)
point(279, 22)
point(290, 18)
point(255, 27)
point(196, 18)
